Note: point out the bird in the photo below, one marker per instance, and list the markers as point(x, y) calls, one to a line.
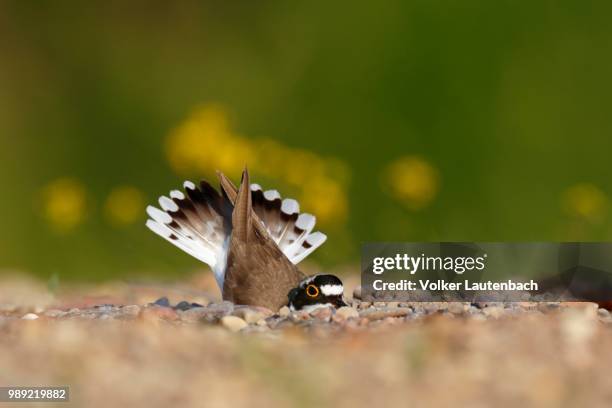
point(251, 239)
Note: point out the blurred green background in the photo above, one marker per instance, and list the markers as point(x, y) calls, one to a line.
point(395, 120)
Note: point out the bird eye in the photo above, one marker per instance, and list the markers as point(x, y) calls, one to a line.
point(312, 291)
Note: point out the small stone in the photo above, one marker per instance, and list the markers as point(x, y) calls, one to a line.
point(347, 312)
point(456, 308)
point(30, 316)
point(252, 314)
point(378, 314)
point(603, 313)
point(392, 304)
point(578, 327)
point(322, 313)
point(548, 306)
point(279, 324)
point(262, 322)
point(162, 301)
point(284, 311)
point(158, 313)
point(357, 292)
point(390, 320)
point(183, 306)
point(493, 311)
point(7, 307)
point(255, 329)
point(131, 310)
point(580, 305)
point(233, 323)
point(527, 305)
point(380, 304)
point(299, 315)
point(211, 313)
point(54, 313)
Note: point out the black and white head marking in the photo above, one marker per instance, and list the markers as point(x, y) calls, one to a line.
point(317, 291)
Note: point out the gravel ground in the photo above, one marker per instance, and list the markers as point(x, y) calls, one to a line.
point(195, 351)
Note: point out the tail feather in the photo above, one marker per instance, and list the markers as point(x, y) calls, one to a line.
point(200, 221)
point(289, 228)
point(201, 253)
point(241, 216)
point(197, 221)
point(279, 220)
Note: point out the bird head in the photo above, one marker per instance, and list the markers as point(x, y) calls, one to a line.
point(317, 291)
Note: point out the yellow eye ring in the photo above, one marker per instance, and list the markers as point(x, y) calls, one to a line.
point(312, 291)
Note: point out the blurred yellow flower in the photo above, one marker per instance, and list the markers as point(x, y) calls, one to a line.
point(412, 181)
point(326, 199)
point(585, 201)
point(124, 205)
point(205, 143)
point(64, 204)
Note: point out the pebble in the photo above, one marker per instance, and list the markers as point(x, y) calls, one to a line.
point(378, 314)
point(252, 314)
point(493, 311)
point(275, 322)
point(357, 292)
point(355, 318)
point(54, 313)
point(131, 310)
point(233, 323)
point(7, 307)
point(155, 313)
point(284, 311)
point(299, 315)
point(255, 329)
point(322, 313)
point(548, 306)
point(456, 308)
point(162, 301)
point(210, 313)
point(347, 312)
point(183, 305)
point(104, 308)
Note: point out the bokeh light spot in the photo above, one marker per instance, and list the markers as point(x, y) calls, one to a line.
point(124, 206)
point(204, 142)
point(412, 180)
point(585, 201)
point(64, 204)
